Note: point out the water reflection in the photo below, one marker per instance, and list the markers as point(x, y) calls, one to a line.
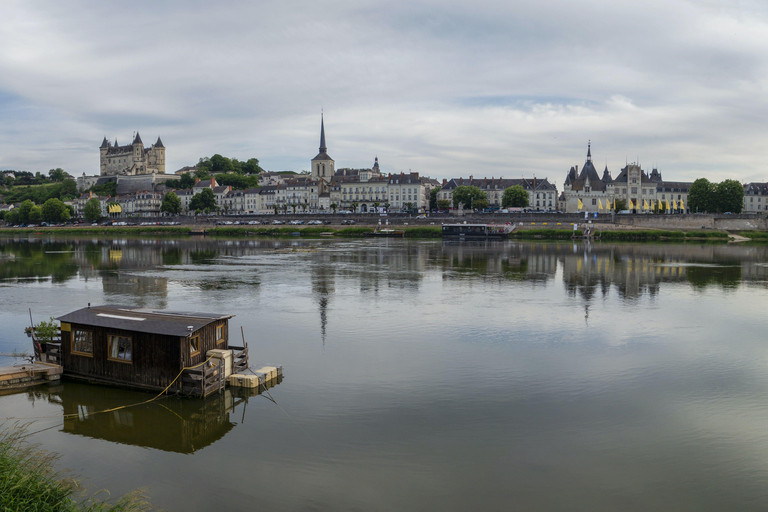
point(181, 425)
point(144, 267)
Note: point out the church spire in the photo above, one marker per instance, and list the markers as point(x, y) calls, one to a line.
point(589, 151)
point(323, 149)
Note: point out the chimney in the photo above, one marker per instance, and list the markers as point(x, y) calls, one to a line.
point(445, 182)
point(213, 182)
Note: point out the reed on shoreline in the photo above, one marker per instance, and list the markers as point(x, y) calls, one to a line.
point(29, 481)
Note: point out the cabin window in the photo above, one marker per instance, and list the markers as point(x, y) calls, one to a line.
point(219, 334)
point(194, 345)
point(120, 348)
point(82, 342)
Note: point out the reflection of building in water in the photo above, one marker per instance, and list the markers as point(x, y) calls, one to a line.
point(323, 287)
point(180, 425)
point(141, 290)
point(499, 260)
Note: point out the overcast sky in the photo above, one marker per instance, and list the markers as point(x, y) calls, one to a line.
point(445, 88)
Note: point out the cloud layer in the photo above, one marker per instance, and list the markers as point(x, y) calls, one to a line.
point(444, 88)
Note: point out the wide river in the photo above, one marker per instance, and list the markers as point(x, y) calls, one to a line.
point(422, 375)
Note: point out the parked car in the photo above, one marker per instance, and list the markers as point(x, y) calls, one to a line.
point(277, 222)
point(348, 221)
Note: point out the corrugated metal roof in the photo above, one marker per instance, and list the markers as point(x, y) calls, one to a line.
point(169, 323)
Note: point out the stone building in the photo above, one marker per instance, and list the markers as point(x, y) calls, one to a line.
point(133, 159)
point(640, 191)
point(755, 197)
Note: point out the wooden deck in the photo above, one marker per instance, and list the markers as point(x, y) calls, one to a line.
point(28, 374)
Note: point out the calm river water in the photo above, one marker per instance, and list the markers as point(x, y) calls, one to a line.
point(422, 375)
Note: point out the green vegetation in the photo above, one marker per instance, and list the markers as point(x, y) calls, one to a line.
point(54, 210)
point(726, 196)
point(470, 196)
point(47, 331)
point(218, 164)
point(92, 210)
point(433, 198)
point(171, 203)
point(549, 234)
point(39, 194)
point(29, 482)
point(204, 201)
point(619, 205)
point(515, 197)
point(108, 189)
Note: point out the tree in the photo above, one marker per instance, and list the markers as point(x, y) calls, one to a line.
point(57, 174)
point(701, 196)
point(333, 207)
point(12, 217)
point(443, 204)
point(515, 197)
point(294, 205)
point(729, 196)
point(375, 206)
point(251, 166)
point(433, 198)
point(408, 206)
point(619, 205)
point(35, 214)
point(55, 211)
point(204, 200)
point(470, 197)
point(24, 209)
point(354, 206)
point(171, 204)
point(92, 210)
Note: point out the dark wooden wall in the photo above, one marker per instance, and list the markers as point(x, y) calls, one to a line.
point(207, 342)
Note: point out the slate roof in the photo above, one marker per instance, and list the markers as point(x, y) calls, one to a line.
point(756, 189)
point(168, 323)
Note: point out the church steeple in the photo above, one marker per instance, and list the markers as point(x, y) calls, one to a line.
point(589, 151)
point(323, 149)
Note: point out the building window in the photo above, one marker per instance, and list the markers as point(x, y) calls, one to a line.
point(594, 202)
point(220, 334)
point(120, 348)
point(634, 190)
point(194, 345)
point(82, 342)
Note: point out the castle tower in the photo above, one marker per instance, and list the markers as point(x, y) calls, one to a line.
point(103, 156)
point(323, 166)
point(158, 151)
point(138, 155)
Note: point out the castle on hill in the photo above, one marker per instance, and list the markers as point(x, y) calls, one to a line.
point(133, 159)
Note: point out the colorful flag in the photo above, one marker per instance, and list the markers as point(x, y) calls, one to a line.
point(581, 205)
point(645, 204)
point(599, 204)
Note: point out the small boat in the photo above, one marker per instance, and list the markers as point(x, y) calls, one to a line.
point(476, 231)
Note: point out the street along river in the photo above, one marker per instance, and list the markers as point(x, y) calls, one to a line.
point(422, 375)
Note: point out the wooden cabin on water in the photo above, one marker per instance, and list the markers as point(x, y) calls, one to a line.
point(138, 348)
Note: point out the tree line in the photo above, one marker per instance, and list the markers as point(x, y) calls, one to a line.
point(707, 197)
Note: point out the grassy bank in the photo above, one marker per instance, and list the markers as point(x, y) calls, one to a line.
point(547, 234)
point(28, 481)
point(658, 234)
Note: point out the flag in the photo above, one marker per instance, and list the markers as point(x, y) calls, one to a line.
point(581, 205)
point(682, 206)
point(608, 204)
point(674, 205)
point(645, 204)
point(666, 204)
point(599, 204)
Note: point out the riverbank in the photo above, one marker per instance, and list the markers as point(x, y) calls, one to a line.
point(607, 232)
point(28, 480)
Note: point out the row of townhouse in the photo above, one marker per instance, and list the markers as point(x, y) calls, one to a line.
point(542, 195)
point(140, 204)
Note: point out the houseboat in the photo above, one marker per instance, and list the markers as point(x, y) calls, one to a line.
point(476, 231)
point(146, 349)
